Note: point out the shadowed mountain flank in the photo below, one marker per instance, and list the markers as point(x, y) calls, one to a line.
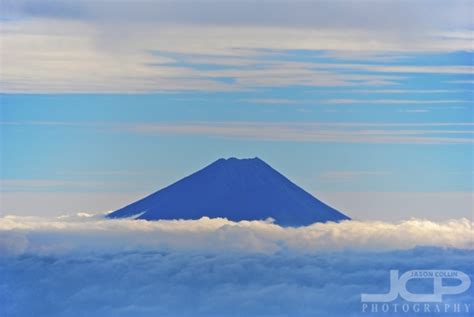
point(236, 189)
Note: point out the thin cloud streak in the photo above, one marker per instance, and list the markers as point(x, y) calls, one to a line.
point(325, 132)
point(306, 133)
point(392, 101)
point(405, 91)
point(63, 185)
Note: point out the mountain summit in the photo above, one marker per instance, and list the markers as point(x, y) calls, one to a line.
point(236, 189)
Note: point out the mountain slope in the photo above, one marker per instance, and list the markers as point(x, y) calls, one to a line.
point(237, 189)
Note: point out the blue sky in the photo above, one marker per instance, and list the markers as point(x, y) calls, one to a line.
point(120, 101)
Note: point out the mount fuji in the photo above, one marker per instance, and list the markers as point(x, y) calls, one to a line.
point(236, 189)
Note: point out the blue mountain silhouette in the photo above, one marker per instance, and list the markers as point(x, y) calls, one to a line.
point(236, 189)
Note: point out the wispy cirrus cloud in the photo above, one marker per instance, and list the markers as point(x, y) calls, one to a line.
point(460, 81)
point(324, 132)
point(405, 91)
point(439, 69)
point(393, 101)
point(63, 185)
point(414, 110)
point(308, 132)
point(94, 46)
point(272, 101)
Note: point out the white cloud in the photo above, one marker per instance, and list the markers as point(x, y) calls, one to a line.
point(94, 46)
point(173, 283)
point(402, 69)
point(386, 16)
point(213, 267)
point(88, 233)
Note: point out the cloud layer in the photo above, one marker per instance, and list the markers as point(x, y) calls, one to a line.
point(143, 46)
point(88, 233)
point(212, 284)
point(88, 265)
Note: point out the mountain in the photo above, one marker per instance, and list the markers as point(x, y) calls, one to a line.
point(236, 189)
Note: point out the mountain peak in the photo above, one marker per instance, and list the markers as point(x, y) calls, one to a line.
point(236, 189)
point(236, 160)
point(242, 164)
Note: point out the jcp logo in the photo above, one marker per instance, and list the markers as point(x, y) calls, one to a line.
point(398, 286)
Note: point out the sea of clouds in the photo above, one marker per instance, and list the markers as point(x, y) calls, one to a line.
point(88, 265)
